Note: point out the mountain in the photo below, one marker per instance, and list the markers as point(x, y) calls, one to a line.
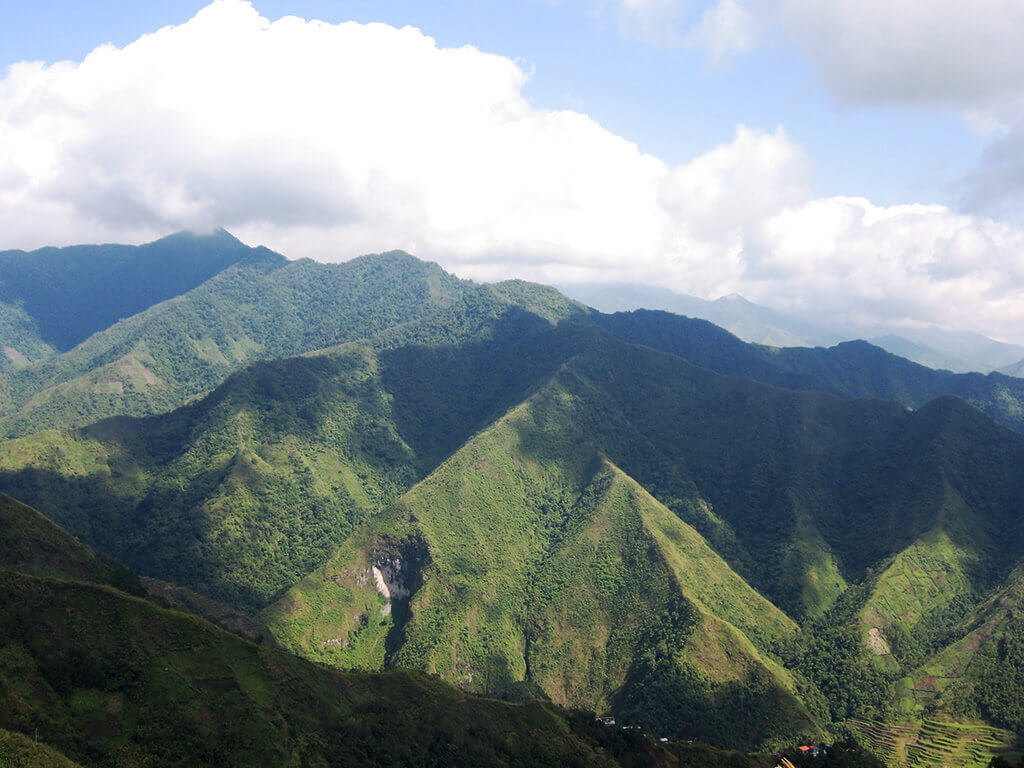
point(263, 307)
point(957, 351)
point(91, 673)
point(979, 352)
point(242, 493)
point(919, 353)
point(67, 294)
point(531, 556)
point(750, 322)
point(1017, 369)
point(849, 369)
point(529, 561)
point(635, 513)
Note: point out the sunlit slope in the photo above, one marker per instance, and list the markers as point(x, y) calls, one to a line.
point(20, 751)
point(979, 671)
point(529, 562)
point(803, 492)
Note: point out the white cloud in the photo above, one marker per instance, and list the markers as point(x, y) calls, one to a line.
point(333, 140)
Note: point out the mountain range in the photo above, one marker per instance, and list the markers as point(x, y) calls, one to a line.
point(957, 351)
point(376, 466)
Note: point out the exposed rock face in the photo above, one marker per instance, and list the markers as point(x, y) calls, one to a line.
point(396, 570)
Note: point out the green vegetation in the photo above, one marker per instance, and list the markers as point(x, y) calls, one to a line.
point(528, 562)
point(260, 308)
point(850, 369)
point(20, 342)
point(242, 493)
point(20, 751)
point(634, 513)
point(110, 679)
point(71, 293)
point(932, 743)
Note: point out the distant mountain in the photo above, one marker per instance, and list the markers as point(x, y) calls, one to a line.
point(919, 353)
point(933, 347)
point(102, 677)
point(849, 369)
point(743, 318)
point(70, 293)
point(1017, 369)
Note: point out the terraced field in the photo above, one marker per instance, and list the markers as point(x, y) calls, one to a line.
point(933, 744)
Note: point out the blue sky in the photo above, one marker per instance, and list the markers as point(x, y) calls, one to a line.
point(863, 162)
point(665, 98)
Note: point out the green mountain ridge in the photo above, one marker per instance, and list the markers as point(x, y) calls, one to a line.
point(71, 293)
point(263, 307)
point(849, 369)
point(528, 560)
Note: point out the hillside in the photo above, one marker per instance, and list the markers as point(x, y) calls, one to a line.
point(528, 561)
point(258, 309)
point(68, 294)
point(1016, 369)
point(849, 369)
point(934, 347)
point(107, 679)
point(242, 493)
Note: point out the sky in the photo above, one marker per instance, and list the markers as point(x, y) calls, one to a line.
point(861, 162)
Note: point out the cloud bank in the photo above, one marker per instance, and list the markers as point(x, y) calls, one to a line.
point(329, 141)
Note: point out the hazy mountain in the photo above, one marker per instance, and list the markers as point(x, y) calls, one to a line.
point(1016, 369)
point(743, 318)
point(933, 347)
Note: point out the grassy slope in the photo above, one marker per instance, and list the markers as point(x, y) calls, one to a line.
point(20, 751)
point(33, 545)
point(20, 342)
point(768, 475)
point(544, 566)
point(237, 495)
point(113, 680)
point(949, 680)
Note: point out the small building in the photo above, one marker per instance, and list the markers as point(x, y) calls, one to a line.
point(607, 720)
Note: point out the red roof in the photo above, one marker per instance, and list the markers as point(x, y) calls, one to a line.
point(805, 749)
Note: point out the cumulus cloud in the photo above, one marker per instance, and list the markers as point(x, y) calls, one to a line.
point(334, 140)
